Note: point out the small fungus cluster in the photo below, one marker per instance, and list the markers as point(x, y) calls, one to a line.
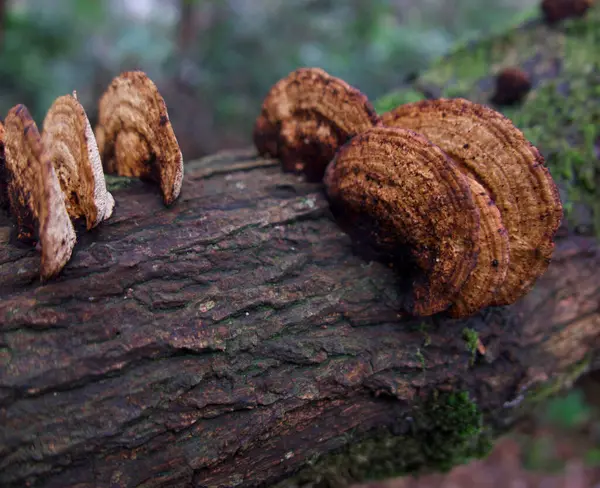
point(307, 116)
point(450, 184)
point(512, 85)
point(52, 179)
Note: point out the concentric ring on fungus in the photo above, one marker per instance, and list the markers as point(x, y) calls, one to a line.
point(492, 263)
point(415, 198)
point(135, 136)
point(495, 153)
point(307, 116)
point(69, 142)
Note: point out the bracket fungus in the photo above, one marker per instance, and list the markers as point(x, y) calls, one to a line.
point(492, 151)
point(35, 195)
point(557, 10)
point(490, 271)
point(135, 136)
point(307, 116)
point(413, 198)
point(512, 85)
point(69, 142)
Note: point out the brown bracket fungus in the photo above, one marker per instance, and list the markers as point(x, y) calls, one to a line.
point(491, 150)
point(512, 84)
point(413, 197)
point(557, 10)
point(307, 116)
point(490, 271)
point(69, 142)
point(35, 195)
point(135, 136)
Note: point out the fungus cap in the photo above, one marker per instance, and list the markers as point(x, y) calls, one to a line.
point(413, 198)
point(490, 271)
point(306, 116)
point(35, 195)
point(557, 10)
point(135, 136)
point(512, 85)
point(69, 142)
point(496, 154)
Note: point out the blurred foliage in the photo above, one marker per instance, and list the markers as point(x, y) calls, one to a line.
point(32, 46)
point(392, 100)
point(236, 50)
point(566, 424)
point(592, 457)
point(569, 411)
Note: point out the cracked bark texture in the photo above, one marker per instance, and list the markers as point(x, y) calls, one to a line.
point(228, 339)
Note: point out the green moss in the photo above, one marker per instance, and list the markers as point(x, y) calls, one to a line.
point(543, 392)
point(114, 182)
point(592, 457)
point(445, 431)
point(421, 358)
point(569, 412)
point(471, 338)
point(561, 114)
point(398, 97)
point(566, 128)
point(468, 70)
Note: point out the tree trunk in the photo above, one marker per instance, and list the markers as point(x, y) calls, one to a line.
point(229, 339)
point(186, 27)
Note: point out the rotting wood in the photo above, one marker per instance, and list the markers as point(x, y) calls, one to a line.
point(230, 338)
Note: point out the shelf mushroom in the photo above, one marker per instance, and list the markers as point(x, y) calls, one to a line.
point(488, 148)
point(512, 85)
point(557, 10)
point(410, 196)
point(307, 116)
point(135, 136)
point(69, 143)
point(490, 271)
point(35, 195)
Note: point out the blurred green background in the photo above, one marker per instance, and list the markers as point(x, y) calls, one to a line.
point(215, 60)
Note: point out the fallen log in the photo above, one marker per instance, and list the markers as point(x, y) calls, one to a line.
point(235, 337)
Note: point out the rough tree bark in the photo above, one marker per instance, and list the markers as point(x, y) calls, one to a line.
point(230, 338)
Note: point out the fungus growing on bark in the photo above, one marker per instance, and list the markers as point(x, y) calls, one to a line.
point(557, 10)
point(69, 143)
point(135, 136)
point(35, 195)
point(4, 202)
point(512, 84)
point(307, 116)
point(492, 262)
point(413, 197)
point(490, 149)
